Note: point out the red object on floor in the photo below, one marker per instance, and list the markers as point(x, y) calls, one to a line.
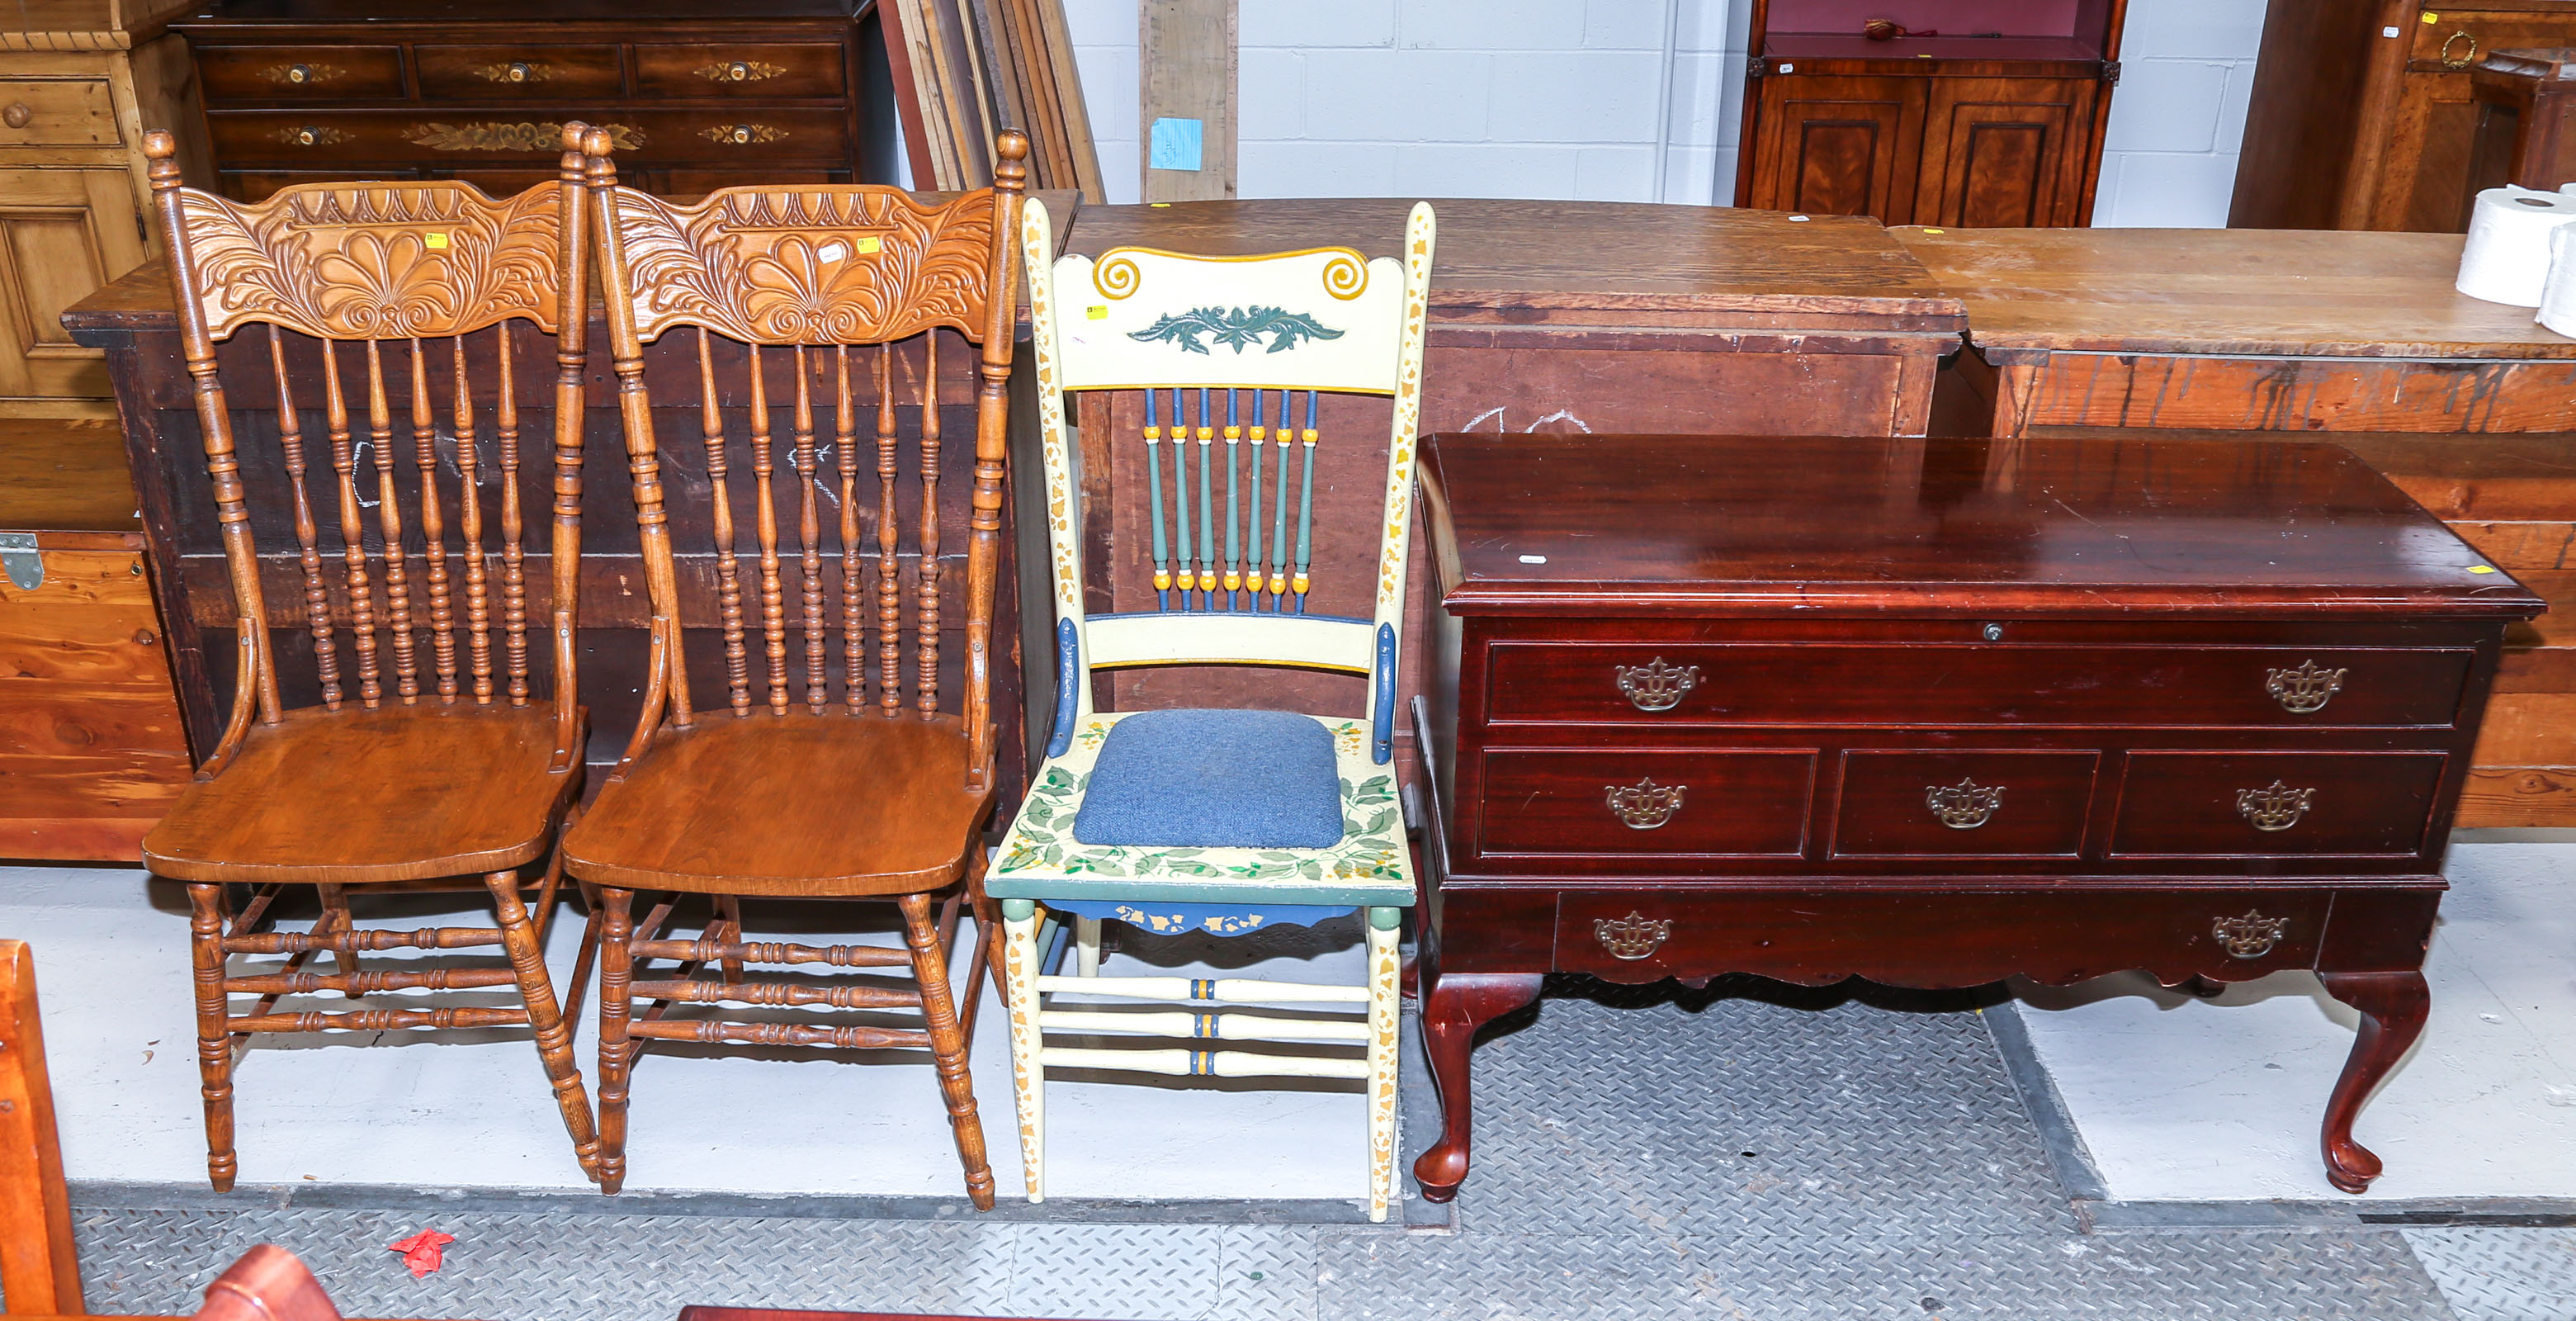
point(421, 1251)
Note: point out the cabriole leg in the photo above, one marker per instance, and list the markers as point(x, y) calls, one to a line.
point(2392, 1005)
point(214, 1039)
point(1457, 1005)
point(1028, 1071)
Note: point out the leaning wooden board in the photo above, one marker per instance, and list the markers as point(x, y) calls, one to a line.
point(2468, 406)
point(1546, 317)
point(90, 746)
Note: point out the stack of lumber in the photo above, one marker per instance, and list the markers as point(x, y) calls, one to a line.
point(964, 70)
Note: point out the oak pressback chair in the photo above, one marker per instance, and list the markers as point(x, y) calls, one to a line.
point(404, 777)
point(816, 316)
point(39, 1270)
point(1225, 821)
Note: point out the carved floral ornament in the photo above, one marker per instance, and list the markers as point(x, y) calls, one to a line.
point(807, 267)
point(1116, 275)
point(379, 261)
point(522, 136)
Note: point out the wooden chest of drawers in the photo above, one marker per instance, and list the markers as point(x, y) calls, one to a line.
point(697, 95)
point(1938, 713)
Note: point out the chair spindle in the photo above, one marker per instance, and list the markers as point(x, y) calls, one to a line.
point(380, 449)
point(1252, 509)
point(1279, 515)
point(1233, 498)
point(433, 527)
point(1154, 482)
point(926, 587)
point(773, 592)
point(728, 562)
point(1207, 506)
point(809, 532)
point(1306, 507)
point(353, 532)
point(889, 588)
point(845, 447)
point(514, 551)
point(308, 539)
point(469, 527)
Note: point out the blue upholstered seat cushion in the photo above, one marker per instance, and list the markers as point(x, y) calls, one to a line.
point(1214, 779)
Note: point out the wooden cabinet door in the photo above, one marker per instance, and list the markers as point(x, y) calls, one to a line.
point(2005, 152)
point(1836, 146)
point(63, 233)
point(2423, 180)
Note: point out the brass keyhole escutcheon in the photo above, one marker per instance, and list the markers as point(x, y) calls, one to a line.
point(738, 72)
point(741, 134)
point(299, 73)
point(18, 115)
point(307, 137)
point(2462, 61)
point(519, 71)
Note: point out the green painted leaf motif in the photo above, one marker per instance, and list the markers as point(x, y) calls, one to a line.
point(1379, 822)
point(1236, 328)
point(1312, 869)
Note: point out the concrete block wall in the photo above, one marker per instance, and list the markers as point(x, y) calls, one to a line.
point(1557, 99)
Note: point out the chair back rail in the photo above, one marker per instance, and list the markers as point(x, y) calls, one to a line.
point(408, 294)
point(39, 1272)
point(1252, 352)
point(821, 318)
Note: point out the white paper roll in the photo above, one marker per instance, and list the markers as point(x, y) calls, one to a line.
point(2558, 294)
point(2506, 259)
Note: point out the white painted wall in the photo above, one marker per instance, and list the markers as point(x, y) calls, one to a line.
point(1557, 99)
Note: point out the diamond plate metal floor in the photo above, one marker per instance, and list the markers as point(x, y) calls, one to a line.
point(1891, 1174)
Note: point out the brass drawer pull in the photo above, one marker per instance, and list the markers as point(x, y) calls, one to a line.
point(2249, 937)
point(516, 71)
point(739, 71)
point(1644, 805)
point(741, 135)
point(18, 115)
point(2463, 61)
point(301, 75)
point(311, 135)
point(1632, 937)
point(2275, 808)
point(1656, 686)
point(2304, 689)
point(1965, 805)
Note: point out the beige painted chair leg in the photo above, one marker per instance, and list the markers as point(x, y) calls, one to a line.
point(1385, 990)
point(1028, 1071)
point(1086, 947)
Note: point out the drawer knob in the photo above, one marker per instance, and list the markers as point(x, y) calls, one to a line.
point(300, 75)
point(1965, 805)
point(312, 135)
point(2303, 689)
point(1632, 937)
point(741, 135)
point(739, 71)
point(1655, 686)
point(18, 115)
point(1644, 805)
point(2276, 808)
point(2249, 937)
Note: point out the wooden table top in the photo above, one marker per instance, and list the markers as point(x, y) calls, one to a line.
point(2267, 292)
point(1724, 525)
point(1573, 255)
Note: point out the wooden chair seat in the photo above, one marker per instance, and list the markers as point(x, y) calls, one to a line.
point(356, 796)
point(821, 805)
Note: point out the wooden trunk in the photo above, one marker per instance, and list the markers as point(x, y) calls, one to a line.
point(1964, 126)
point(697, 95)
point(2363, 114)
point(2465, 405)
point(1545, 317)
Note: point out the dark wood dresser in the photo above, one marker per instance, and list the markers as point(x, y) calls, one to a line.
point(1936, 713)
point(697, 94)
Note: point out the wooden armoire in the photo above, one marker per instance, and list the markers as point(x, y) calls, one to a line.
point(1985, 113)
point(2363, 114)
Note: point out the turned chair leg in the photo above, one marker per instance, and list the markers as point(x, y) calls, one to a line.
point(947, 1045)
point(335, 917)
point(1028, 1069)
point(1385, 1010)
point(1086, 947)
point(728, 929)
point(545, 1017)
point(616, 1049)
point(214, 1037)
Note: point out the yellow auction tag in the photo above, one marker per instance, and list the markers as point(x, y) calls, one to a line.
point(2481, 568)
point(2431, 17)
point(1097, 313)
point(871, 243)
point(435, 239)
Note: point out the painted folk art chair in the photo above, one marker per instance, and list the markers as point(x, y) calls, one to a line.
point(433, 753)
point(808, 322)
point(1220, 820)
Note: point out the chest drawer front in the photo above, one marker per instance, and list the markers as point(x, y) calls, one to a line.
point(51, 112)
point(300, 73)
point(1963, 804)
point(2256, 804)
point(1953, 939)
point(1950, 684)
point(1647, 805)
point(517, 73)
point(2459, 38)
point(463, 138)
point(763, 71)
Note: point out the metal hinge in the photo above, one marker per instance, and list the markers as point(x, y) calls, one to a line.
point(2111, 73)
point(142, 228)
point(20, 559)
